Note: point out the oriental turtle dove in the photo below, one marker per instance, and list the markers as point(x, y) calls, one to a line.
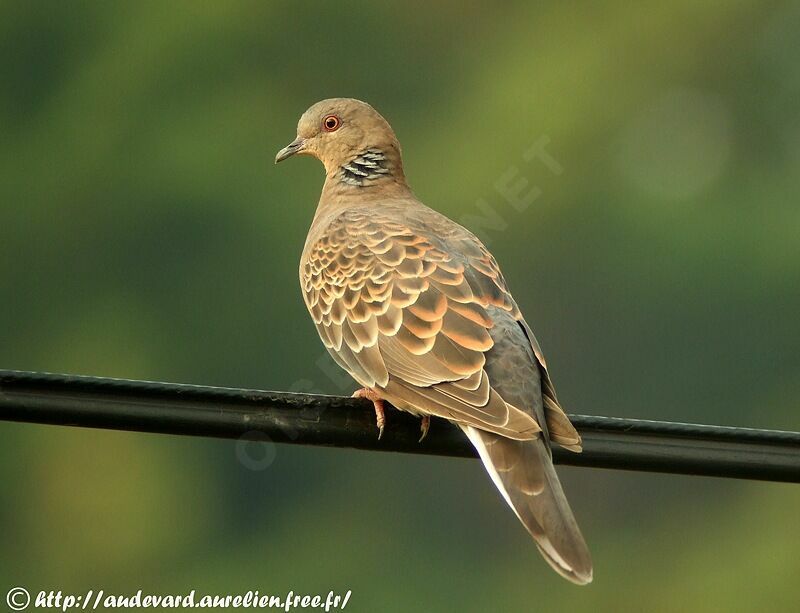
point(416, 309)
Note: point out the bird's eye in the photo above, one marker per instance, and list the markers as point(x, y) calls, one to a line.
point(331, 123)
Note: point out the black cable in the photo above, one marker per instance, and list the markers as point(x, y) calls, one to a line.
point(168, 408)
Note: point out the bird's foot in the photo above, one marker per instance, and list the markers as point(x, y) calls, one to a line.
point(424, 426)
point(377, 401)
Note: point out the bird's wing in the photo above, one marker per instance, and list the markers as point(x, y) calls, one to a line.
point(559, 427)
point(400, 300)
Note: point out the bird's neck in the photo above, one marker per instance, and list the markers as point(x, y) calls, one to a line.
point(374, 173)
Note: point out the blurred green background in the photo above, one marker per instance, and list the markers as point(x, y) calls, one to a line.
point(145, 233)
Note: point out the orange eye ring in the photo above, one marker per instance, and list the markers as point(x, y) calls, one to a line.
point(331, 123)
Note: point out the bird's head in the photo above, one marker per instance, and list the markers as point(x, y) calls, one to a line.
point(350, 138)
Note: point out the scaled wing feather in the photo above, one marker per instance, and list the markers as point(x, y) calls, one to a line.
point(402, 314)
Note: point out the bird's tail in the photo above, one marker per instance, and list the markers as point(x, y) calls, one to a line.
point(523, 472)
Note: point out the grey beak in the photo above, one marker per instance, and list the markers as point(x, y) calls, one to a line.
point(296, 146)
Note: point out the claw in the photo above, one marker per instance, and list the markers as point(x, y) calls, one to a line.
point(377, 402)
point(424, 426)
point(380, 419)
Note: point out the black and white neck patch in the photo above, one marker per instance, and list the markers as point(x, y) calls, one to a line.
point(366, 166)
